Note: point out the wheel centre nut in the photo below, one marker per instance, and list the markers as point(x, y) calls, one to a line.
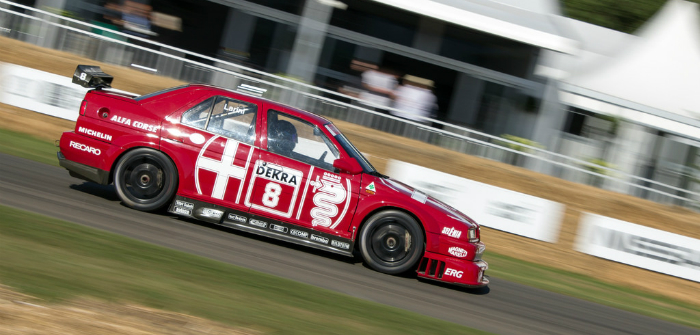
point(391, 242)
point(145, 179)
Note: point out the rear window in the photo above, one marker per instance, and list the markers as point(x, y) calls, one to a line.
point(151, 95)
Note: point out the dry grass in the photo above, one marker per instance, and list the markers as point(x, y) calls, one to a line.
point(22, 314)
point(578, 198)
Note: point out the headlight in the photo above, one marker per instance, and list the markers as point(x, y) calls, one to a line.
point(473, 235)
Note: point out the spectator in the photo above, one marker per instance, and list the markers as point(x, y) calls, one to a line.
point(353, 83)
point(379, 85)
point(136, 18)
point(415, 99)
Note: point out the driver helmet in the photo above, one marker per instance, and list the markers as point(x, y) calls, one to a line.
point(283, 137)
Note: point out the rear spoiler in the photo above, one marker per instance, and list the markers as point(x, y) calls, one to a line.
point(90, 76)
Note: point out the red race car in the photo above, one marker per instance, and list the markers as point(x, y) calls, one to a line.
point(266, 168)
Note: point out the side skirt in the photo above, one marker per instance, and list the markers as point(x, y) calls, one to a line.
point(260, 225)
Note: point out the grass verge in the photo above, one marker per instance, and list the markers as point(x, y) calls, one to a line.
point(27, 146)
point(547, 278)
point(57, 260)
point(591, 289)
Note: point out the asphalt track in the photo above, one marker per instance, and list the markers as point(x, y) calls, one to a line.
point(505, 308)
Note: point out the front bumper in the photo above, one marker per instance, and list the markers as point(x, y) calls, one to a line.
point(452, 270)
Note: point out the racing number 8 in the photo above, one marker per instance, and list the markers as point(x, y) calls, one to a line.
point(272, 195)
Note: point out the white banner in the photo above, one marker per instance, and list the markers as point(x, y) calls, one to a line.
point(40, 91)
point(488, 205)
point(639, 246)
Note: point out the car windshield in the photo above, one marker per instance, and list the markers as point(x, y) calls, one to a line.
point(350, 149)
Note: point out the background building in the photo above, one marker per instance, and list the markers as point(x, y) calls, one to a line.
point(598, 97)
point(481, 55)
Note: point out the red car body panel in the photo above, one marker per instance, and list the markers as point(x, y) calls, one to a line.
point(235, 182)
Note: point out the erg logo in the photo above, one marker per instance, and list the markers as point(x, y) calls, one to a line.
point(453, 273)
point(83, 147)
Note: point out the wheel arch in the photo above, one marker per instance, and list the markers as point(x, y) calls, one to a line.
point(385, 208)
point(127, 150)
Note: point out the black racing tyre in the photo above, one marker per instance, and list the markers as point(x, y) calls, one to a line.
point(145, 179)
point(391, 242)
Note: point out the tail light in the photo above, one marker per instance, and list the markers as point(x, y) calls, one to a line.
point(83, 107)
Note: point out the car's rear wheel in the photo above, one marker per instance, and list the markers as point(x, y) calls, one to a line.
point(145, 179)
point(391, 242)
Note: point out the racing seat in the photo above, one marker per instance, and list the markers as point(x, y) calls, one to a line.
point(282, 138)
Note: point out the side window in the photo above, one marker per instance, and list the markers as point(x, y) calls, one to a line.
point(197, 115)
point(224, 116)
point(300, 140)
point(234, 119)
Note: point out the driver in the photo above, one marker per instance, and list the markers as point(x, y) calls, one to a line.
point(282, 138)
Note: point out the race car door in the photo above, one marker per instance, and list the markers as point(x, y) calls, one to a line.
point(294, 180)
point(216, 152)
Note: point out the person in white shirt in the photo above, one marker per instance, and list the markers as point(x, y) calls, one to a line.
point(415, 99)
point(379, 86)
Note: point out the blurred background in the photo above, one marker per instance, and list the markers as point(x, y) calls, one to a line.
point(593, 91)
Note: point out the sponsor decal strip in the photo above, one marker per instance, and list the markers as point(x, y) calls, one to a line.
point(184, 204)
point(264, 226)
point(181, 207)
point(211, 213)
point(258, 223)
point(298, 233)
point(341, 245)
point(237, 218)
point(182, 211)
point(319, 239)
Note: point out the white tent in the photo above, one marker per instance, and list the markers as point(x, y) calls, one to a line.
point(655, 80)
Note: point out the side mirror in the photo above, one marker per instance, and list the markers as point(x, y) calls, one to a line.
point(349, 166)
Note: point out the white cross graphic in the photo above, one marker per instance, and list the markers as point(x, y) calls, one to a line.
point(224, 168)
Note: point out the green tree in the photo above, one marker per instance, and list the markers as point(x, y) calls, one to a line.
point(622, 15)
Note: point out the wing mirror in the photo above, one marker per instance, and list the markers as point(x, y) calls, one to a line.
point(349, 166)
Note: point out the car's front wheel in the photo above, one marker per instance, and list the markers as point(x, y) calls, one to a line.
point(145, 179)
point(391, 242)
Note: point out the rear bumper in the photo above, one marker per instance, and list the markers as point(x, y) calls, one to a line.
point(452, 270)
point(83, 171)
